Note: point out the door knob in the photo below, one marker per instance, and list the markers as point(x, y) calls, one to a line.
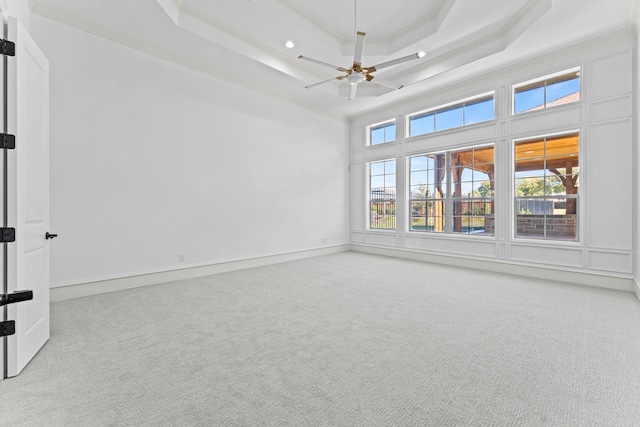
point(50, 236)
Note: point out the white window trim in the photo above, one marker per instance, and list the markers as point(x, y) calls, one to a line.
point(386, 122)
point(576, 69)
point(580, 196)
point(448, 200)
point(368, 197)
point(462, 101)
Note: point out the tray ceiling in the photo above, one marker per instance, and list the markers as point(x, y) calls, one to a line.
point(243, 40)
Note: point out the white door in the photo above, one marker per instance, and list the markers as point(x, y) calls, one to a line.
point(28, 196)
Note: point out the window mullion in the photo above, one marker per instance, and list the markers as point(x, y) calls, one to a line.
point(448, 203)
point(464, 109)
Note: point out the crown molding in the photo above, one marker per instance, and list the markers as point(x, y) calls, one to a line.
point(248, 41)
point(171, 8)
point(311, 19)
point(482, 43)
point(198, 23)
point(63, 16)
point(427, 25)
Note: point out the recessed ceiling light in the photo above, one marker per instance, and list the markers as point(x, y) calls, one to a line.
point(421, 54)
point(289, 44)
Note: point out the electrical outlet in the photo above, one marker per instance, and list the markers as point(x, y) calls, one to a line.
point(181, 257)
point(323, 240)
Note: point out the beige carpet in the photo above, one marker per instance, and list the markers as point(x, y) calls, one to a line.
point(342, 340)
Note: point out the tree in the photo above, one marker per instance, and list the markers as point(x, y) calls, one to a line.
point(421, 192)
point(530, 187)
point(418, 208)
point(484, 189)
point(537, 186)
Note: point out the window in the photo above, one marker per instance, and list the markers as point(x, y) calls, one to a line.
point(383, 132)
point(427, 184)
point(546, 187)
point(548, 91)
point(462, 113)
point(472, 173)
point(382, 204)
point(452, 192)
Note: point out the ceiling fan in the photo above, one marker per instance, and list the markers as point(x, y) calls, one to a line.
point(357, 73)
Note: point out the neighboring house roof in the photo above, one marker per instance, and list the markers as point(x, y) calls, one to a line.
point(572, 97)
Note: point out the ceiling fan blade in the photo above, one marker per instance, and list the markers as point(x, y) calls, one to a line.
point(385, 83)
point(315, 61)
point(326, 81)
point(394, 62)
point(352, 92)
point(357, 56)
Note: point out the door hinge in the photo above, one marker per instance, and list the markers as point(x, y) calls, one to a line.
point(14, 297)
point(7, 141)
point(7, 48)
point(7, 328)
point(7, 235)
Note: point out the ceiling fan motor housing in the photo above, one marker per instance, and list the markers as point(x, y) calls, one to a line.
point(357, 73)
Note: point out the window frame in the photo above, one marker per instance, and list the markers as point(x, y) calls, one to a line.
point(382, 125)
point(411, 200)
point(394, 199)
point(577, 197)
point(460, 103)
point(542, 82)
point(448, 198)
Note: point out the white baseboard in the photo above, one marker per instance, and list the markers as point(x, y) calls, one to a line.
point(79, 290)
point(65, 292)
point(547, 273)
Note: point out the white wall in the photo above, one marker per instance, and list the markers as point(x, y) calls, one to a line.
point(150, 160)
point(604, 118)
point(18, 9)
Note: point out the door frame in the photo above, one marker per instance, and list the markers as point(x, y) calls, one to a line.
point(3, 196)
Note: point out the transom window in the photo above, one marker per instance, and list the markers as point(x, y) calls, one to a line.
point(462, 113)
point(383, 132)
point(548, 91)
point(382, 200)
point(546, 187)
point(453, 191)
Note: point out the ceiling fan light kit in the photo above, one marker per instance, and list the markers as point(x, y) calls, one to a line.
point(355, 78)
point(357, 74)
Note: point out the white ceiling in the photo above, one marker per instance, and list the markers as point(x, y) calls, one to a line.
point(243, 40)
